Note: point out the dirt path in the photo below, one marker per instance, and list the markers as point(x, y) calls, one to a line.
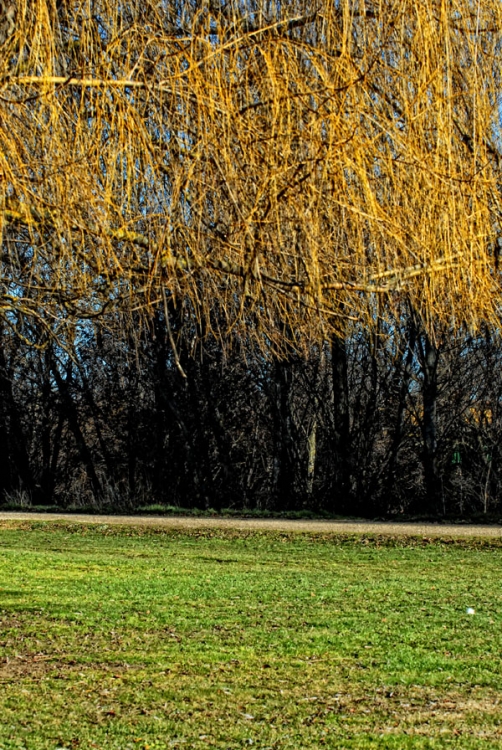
point(335, 527)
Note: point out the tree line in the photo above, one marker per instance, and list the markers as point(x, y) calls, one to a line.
point(375, 423)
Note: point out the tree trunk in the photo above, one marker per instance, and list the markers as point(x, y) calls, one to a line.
point(430, 359)
point(73, 422)
point(311, 457)
point(16, 471)
point(398, 432)
point(341, 493)
point(284, 469)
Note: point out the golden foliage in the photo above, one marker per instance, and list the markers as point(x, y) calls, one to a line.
point(274, 167)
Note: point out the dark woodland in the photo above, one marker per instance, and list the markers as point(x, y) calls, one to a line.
point(378, 424)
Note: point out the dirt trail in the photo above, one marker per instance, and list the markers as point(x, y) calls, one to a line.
point(334, 527)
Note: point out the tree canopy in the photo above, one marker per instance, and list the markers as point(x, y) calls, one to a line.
point(274, 169)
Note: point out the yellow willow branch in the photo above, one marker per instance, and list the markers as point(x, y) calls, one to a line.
point(75, 81)
point(396, 277)
point(102, 83)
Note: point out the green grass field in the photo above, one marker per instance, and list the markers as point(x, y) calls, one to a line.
point(121, 638)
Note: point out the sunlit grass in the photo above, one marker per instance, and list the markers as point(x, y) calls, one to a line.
point(123, 638)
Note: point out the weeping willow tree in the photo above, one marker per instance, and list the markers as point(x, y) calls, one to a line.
point(271, 169)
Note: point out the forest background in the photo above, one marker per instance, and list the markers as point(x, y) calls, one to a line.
point(250, 255)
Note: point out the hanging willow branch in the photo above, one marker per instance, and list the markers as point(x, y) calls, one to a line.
point(272, 167)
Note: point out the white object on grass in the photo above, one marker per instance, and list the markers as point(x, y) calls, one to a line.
point(470, 611)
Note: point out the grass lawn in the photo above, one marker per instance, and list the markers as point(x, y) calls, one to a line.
point(114, 638)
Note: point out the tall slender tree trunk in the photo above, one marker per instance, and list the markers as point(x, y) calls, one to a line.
point(49, 438)
point(16, 470)
point(284, 469)
point(405, 374)
point(175, 388)
point(341, 493)
point(6, 479)
point(72, 416)
point(222, 444)
point(430, 360)
point(311, 457)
